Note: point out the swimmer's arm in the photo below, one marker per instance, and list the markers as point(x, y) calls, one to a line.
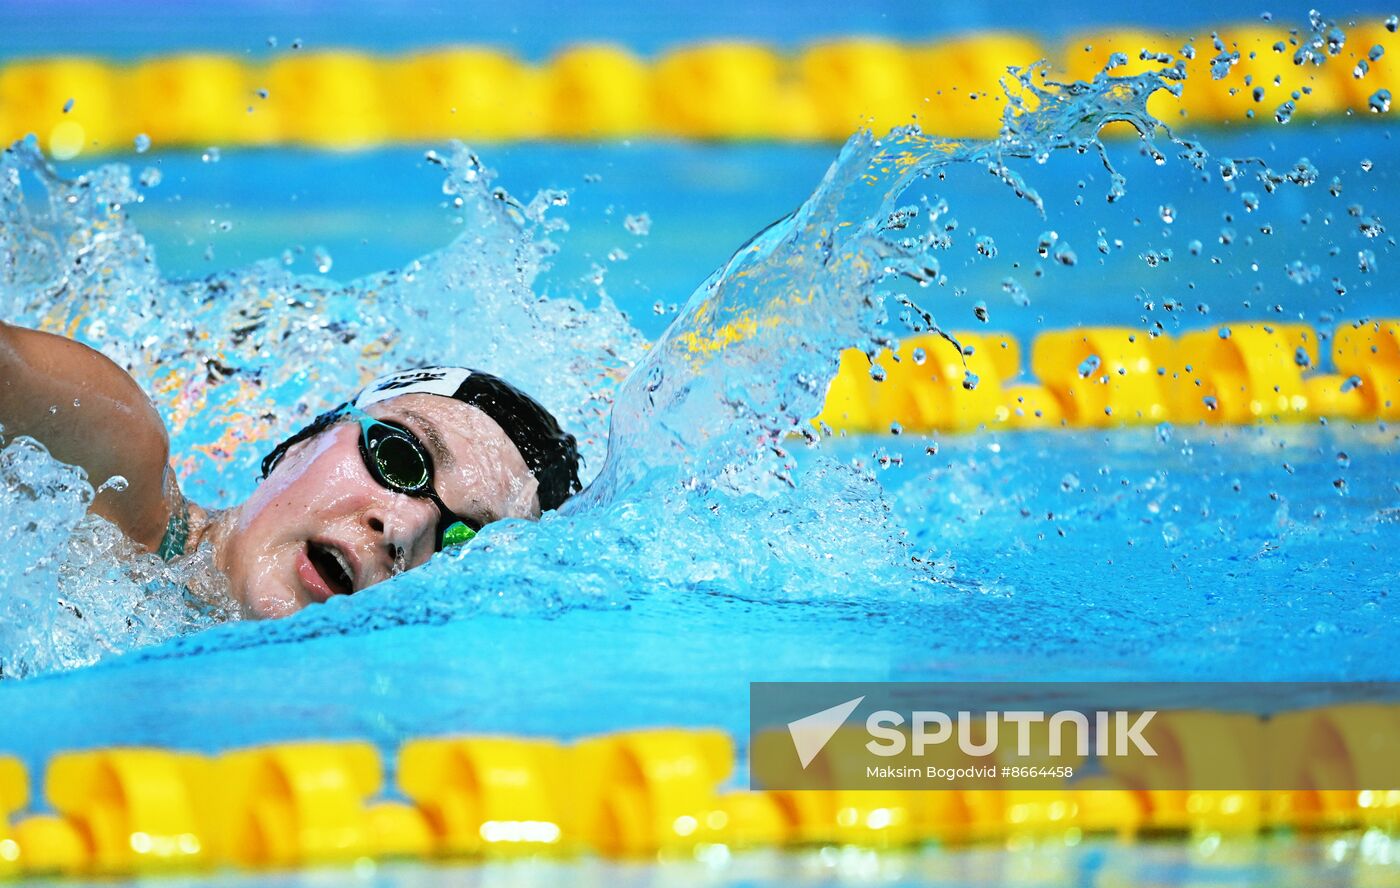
point(89, 412)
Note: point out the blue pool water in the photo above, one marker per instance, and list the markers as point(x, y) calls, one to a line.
point(382, 209)
point(1217, 585)
point(1336, 863)
point(1215, 553)
point(702, 560)
point(92, 26)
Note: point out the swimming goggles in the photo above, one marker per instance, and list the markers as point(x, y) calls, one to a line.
point(396, 459)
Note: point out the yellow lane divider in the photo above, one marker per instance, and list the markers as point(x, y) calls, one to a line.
point(1099, 377)
point(715, 91)
point(656, 791)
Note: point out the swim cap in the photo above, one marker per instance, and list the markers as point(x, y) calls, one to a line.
point(550, 452)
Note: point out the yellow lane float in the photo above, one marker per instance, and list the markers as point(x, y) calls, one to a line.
point(716, 90)
point(136, 810)
point(1100, 377)
point(486, 794)
point(657, 791)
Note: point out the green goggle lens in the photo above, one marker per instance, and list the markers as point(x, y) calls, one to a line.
point(396, 459)
point(456, 534)
point(400, 462)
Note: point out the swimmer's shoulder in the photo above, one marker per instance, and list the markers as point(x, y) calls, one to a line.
point(89, 412)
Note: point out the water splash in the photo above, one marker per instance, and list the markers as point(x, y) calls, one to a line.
point(748, 361)
point(241, 358)
point(74, 588)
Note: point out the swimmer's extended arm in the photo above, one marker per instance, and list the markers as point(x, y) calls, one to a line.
point(89, 412)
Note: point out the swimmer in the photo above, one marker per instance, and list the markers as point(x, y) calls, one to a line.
point(418, 461)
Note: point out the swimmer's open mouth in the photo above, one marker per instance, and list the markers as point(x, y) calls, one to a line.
point(333, 567)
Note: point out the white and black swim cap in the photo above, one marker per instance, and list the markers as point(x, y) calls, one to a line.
point(550, 452)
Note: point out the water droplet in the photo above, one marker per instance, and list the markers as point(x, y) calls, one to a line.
point(1089, 366)
point(970, 380)
point(1284, 113)
point(272, 41)
point(919, 357)
point(1379, 102)
point(77, 402)
point(53, 409)
point(210, 155)
point(1336, 39)
point(68, 106)
point(116, 484)
point(1391, 23)
point(617, 254)
point(1302, 358)
point(297, 43)
point(1210, 402)
point(1194, 248)
point(1047, 240)
point(1167, 213)
point(986, 246)
point(877, 373)
point(638, 224)
point(1301, 274)
point(1343, 459)
point(1013, 288)
point(142, 143)
point(896, 428)
point(1164, 433)
point(1376, 52)
point(1250, 201)
point(263, 93)
point(1069, 482)
point(1366, 261)
point(1366, 165)
point(322, 259)
point(1350, 383)
point(1065, 256)
point(1361, 70)
point(1224, 332)
point(979, 311)
point(1220, 65)
point(149, 178)
point(1341, 485)
point(1303, 173)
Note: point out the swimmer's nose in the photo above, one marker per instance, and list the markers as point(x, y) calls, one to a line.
point(402, 527)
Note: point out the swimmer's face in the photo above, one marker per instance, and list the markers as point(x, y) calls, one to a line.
point(321, 525)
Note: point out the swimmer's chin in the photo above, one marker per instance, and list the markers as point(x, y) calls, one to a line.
point(273, 604)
